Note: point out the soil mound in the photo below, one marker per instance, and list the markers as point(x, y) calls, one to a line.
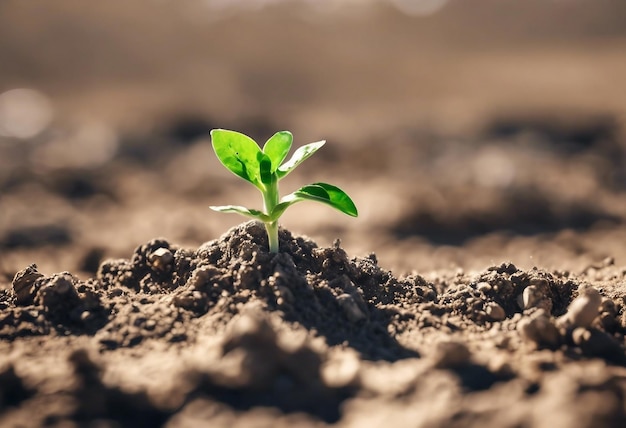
point(230, 333)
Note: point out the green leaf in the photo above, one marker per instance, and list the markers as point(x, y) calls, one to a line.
point(320, 192)
point(329, 194)
point(298, 157)
point(314, 191)
point(265, 168)
point(237, 152)
point(277, 148)
point(280, 208)
point(248, 212)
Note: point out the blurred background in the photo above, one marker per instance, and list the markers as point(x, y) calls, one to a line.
point(467, 132)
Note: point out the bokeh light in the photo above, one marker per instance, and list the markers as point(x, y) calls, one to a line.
point(24, 113)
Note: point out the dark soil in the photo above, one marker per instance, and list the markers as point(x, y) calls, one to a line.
point(173, 336)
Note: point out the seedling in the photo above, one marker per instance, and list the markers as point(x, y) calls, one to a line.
point(265, 168)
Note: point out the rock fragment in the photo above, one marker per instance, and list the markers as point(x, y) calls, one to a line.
point(583, 310)
point(495, 312)
point(450, 355)
point(24, 284)
point(536, 295)
point(539, 330)
point(161, 259)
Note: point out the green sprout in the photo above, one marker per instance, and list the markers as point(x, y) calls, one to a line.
point(264, 169)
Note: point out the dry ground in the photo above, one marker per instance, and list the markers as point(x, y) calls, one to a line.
point(482, 284)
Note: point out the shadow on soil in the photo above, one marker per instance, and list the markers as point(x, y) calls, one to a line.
point(520, 213)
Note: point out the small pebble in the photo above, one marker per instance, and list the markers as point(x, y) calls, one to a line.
point(483, 287)
point(540, 330)
point(450, 354)
point(161, 259)
point(23, 283)
point(530, 296)
point(583, 310)
point(495, 312)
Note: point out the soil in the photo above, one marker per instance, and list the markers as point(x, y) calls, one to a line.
point(483, 283)
point(229, 334)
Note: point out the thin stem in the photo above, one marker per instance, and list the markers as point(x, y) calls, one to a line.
point(270, 200)
point(272, 236)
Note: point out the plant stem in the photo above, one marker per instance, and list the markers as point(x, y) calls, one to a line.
point(270, 200)
point(272, 236)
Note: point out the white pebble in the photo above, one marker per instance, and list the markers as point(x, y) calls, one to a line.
point(583, 310)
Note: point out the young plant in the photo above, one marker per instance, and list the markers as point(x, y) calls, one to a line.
point(264, 169)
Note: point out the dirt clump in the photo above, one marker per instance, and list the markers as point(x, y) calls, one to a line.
point(228, 332)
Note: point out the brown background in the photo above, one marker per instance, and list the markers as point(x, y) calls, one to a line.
point(487, 131)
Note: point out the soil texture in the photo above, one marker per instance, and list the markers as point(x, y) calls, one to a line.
point(231, 335)
point(482, 285)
